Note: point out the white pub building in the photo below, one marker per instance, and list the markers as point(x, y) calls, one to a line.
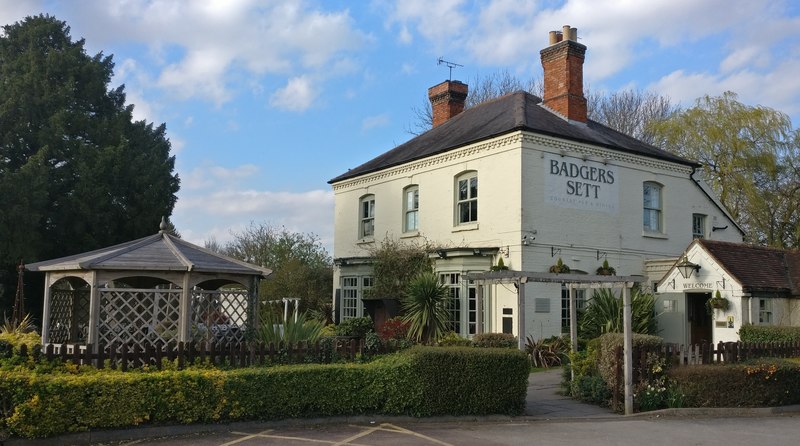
point(530, 181)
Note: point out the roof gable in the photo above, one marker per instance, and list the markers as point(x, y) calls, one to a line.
point(159, 252)
point(757, 268)
point(512, 112)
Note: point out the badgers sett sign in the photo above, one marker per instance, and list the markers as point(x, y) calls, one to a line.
point(577, 184)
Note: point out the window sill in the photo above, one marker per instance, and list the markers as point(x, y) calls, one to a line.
point(465, 227)
point(657, 235)
point(410, 234)
point(365, 240)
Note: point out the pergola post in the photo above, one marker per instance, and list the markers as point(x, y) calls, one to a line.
point(479, 309)
point(573, 318)
point(628, 348)
point(521, 313)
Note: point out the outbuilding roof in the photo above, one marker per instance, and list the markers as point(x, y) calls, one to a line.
point(512, 112)
point(158, 252)
point(758, 268)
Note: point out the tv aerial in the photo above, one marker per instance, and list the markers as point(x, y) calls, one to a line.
point(449, 65)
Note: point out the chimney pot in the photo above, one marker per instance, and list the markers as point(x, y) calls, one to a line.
point(553, 37)
point(565, 30)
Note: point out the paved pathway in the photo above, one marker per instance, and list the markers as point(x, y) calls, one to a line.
point(545, 401)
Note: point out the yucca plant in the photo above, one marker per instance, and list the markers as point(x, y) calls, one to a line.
point(425, 307)
point(12, 327)
point(275, 329)
point(604, 312)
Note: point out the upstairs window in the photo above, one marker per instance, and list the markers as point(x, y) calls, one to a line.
point(698, 226)
point(411, 209)
point(467, 198)
point(652, 207)
point(367, 216)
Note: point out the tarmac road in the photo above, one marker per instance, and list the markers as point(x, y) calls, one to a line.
point(761, 431)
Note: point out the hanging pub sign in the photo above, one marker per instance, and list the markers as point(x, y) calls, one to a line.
point(577, 184)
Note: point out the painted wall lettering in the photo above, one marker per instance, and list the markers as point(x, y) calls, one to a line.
point(578, 184)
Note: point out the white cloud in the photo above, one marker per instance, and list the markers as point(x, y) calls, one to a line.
point(217, 177)
point(299, 94)
point(371, 122)
point(201, 45)
point(438, 21)
point(219, 213)
point(12, 11)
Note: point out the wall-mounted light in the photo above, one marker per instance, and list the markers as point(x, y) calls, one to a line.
point(441, 253)
point(477, 252)
point(685, 267)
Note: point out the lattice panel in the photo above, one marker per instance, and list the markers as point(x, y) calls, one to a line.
point(220, 316)
point(141, 316)
point(69, 316)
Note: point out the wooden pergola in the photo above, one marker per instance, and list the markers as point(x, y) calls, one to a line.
point(153, 290)
point(573, 282)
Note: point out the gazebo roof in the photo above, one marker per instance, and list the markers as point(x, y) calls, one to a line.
point(158, 252)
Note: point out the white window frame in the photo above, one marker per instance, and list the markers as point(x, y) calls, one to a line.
point(411, 209)
point(353, 288)
point(653, 213)
point(698, 226)
point(366, 216)
point(463, 304)
point(468, 199)
point(765, 311)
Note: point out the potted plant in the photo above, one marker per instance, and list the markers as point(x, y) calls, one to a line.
point(717, 302)
point(606, 270)
point(501, 266)
point(559, 267)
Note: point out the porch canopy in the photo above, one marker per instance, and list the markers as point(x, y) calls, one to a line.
point(153, 290)
point(573, 282)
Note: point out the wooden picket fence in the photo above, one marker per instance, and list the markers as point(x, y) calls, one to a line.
point(131, 356)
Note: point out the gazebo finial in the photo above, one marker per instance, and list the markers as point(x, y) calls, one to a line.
point(162, 228)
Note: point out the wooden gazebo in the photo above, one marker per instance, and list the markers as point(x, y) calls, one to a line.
point(153, 290)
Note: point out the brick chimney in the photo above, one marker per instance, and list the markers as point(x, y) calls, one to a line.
point(563, 74)
point(447, 100)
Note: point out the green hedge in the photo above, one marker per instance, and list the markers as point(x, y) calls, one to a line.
point(421, 381)
point(769, 333)
point(770, 382)
point(469, 381)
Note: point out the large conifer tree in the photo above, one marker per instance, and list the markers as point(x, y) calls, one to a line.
point(76, 172)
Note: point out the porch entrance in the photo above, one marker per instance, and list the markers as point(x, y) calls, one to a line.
point(699, 320)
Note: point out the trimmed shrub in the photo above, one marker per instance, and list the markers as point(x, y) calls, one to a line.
point(453, 339)
point(421, 381)
point(495, 340)
point(769, 333)
point(590, 389)
point(468, 381)
point(766, 382)
point(356, 326)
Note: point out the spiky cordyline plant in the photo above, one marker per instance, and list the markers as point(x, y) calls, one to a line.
point(425, 307)
point(603, 314)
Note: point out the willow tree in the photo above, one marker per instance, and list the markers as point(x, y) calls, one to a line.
point(76, 171)
point(750, 158)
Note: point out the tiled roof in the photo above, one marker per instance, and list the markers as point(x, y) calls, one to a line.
point(512, 112)
point(758, 268)
point(158, 252)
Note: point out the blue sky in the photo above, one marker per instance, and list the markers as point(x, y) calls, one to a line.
point(265, 101)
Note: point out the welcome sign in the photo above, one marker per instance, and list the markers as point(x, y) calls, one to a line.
point(577, 184)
